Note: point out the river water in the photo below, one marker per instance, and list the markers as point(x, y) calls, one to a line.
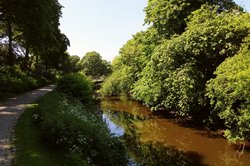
point(156, 140)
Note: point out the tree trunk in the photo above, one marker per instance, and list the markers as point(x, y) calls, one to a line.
point(26, 58)
point(11, 56)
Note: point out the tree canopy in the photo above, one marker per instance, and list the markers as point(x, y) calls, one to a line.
point(32, 47)
point(92, 64)
point(229, 93)
point(169, 16)
point(33, 28)
point(181, 63)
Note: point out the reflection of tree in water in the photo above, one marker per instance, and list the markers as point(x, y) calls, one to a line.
point(123, 119)
point(149, 154)
point(155, 154)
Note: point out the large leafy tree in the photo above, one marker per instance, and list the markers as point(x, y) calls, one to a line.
point(168, 16)
point(7, 25)
point(174, 67)
point(176, 76)
point(33, 26)
point(73, 63)
point(229, 93)
point(92, 64)
point(136, 53)
point(133, 57)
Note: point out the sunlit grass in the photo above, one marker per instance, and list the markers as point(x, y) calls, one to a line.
point(32, 149)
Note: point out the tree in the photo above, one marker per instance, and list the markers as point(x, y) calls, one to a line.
point(70, 64)
point(229, 93)
point(132, 59)
point(92, 64)
point(173, 75)
point(168, 16)
point(135, 58)
point(176, 76)
point(74, 59)
point(33, 25)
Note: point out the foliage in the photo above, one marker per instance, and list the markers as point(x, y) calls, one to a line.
point(70, 64)
point(32, 41)
point(168, 16)
point(76, 85)
point(92, 64)
point(175, 78)
point(31, 147)
point(136, 53)
point(29, 34)
point(77, 130)
point(229, 93)
point(43, 75)
point(13, 80)
point(73, 63)
point(134, 56)
point(119, 83)
point(172, 64)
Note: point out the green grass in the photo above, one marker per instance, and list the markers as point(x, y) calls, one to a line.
point(32, 148)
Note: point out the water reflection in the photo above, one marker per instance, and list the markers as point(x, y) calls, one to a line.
point(155, 154)
point(115, 129)
point(151, 140)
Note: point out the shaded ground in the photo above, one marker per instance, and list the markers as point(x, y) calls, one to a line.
point(10, 110)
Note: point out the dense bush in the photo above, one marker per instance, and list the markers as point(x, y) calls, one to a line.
point(118, 84)
point(173, 73)
point(77, 130)
point(168, 66)
point(44, 75)
point(175, 77)
point(76, 85)
point(134, 56)
point(169, 16)
point(230, 94)
point(93, 65)
point(14, 80)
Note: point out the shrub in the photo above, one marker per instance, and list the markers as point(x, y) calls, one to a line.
point(76, 85)
point(229, 93)
point(111, 86)
point(176, 75)
point(119, 83)
point(14, 80)
point(83, 135)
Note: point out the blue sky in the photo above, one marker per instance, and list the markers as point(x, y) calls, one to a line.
point(104, 25)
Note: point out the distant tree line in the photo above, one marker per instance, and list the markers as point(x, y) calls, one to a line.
point(29, 30)
point(91, 64)
point(192, 61)
point(31, 43)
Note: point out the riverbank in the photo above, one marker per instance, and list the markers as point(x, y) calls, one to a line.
point(156, 139)
point(69, 121)
point(10, 110)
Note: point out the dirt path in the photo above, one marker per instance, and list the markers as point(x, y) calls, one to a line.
point(10, 110)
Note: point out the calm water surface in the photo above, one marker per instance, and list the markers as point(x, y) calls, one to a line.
point(154, 140)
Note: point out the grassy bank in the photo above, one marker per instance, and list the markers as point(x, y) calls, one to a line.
point(33, 149)
point(15, 81)
point(65, 120)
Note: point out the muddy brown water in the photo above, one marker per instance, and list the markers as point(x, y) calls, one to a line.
point(155, 140)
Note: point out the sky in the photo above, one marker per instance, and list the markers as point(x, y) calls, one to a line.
point(104, 25)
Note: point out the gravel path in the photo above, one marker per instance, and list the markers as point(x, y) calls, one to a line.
point(10, 110)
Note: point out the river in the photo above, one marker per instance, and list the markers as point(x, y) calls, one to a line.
point(157, 140)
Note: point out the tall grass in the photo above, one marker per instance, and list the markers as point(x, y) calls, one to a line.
point(76, 85)
point(77, 130)
point(14, 80)
point(32, 147)
point(68, 123)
